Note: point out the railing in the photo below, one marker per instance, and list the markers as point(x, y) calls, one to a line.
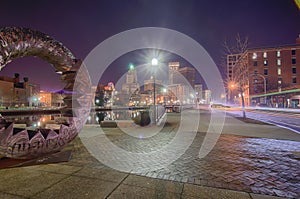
point(160, 111)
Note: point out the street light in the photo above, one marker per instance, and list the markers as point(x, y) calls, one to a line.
point(230, 87)
point(154, 63)
point(265, 85)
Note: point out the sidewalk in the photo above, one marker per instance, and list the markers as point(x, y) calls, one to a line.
point(65, 181)
point(243, 164)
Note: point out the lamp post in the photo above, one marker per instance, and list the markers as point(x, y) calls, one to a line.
point(230, 86)
point(265, 86)
point(154, 63)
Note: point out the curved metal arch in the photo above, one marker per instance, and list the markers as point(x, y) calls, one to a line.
point(19, 42)
point(22, 143)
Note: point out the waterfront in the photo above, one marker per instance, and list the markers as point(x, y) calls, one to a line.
point(243, 164)
point(42, 120)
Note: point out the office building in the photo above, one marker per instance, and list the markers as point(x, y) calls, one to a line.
point(131, 84)
point(188, 74)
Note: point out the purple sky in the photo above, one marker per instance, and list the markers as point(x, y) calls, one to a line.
point(82, 25)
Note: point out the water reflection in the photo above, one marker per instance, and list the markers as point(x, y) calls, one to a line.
point(97, 117)
point(35, 120)
point(40, 121)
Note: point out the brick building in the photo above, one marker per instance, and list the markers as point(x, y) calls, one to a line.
point(13, 92)
point(269, 76)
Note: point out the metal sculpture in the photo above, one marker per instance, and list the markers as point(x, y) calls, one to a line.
point(25, 144)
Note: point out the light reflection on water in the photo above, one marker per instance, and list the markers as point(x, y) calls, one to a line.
point(96, 117)
point(36, 121)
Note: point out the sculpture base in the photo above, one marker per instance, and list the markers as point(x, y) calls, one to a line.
point(62, 156)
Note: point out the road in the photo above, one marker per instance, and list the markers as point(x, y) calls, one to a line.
point(289, 120)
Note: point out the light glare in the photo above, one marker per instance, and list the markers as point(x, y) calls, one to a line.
point(154, 62)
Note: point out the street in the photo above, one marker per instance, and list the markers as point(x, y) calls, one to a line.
point(289, 120)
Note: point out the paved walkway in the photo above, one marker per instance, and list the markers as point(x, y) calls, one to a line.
point(238, 167)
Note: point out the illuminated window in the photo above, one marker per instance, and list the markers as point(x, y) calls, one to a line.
point(254, 56)
point(278, 62)
point(265, 55)
point(278, 53)
point(294, 61)
point(254, 63)
point(293, 52)
point(279, 71)
point(294, 70)
point(265, 62)
point(265, 71)
point(294, 80)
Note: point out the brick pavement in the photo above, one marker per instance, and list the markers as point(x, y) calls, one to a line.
point(249, 164)
point(236, 165)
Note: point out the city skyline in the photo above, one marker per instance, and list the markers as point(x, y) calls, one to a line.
point(150, 99)
point(208, 24)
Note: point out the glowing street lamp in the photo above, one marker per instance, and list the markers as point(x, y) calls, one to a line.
point(265, 85)
point(231, 85)
point(154, 62)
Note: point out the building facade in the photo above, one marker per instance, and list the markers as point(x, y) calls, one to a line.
point(206, 96)
point(231, 61)
point(173, 68)
point(51, 99)
point(181, 75)
point(189, 75)
point(179, 93)
point(269, 76)
point(198, 92)
point(149, 83)
point(131, 84)
point(14, 93)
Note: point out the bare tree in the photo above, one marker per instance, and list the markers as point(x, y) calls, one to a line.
point(239, 46)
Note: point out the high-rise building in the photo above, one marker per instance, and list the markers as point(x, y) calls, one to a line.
point(189, 75)
point(181, 81)
point(131, 84)
point(231, 61)
point(148, 84)
point(270, 75)
point(179, 93)
point(181, 75)
point(173, 69)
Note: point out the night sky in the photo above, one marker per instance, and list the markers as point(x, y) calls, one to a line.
point(82, 25)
